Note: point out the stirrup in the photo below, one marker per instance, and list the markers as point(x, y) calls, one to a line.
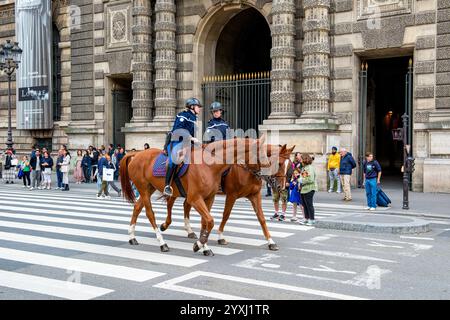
point(168, 191)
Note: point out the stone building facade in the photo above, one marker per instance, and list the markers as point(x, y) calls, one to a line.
point(128, 65)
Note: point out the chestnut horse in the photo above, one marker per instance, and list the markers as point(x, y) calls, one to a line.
point(200, 182)
point(241, 182)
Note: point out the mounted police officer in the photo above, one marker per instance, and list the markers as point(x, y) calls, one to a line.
point(182, 135)
point(217, 126)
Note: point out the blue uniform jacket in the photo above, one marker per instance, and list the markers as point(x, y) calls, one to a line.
point(347, 164)
point(217, 124)
point(185, 120)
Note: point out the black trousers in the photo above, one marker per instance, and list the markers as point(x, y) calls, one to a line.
point(25, 178)
point(308, 205)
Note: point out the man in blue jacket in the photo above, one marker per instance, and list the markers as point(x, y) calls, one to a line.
point(345, 170)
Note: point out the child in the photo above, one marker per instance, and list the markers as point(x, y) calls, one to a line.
point(294, 195)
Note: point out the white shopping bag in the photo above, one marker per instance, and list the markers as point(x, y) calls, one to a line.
point(108, 174)
point(14, 162)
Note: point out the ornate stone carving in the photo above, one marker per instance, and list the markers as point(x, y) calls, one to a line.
point(382, 8)
point(141, 63)
point(282, 96)
point(344, 118)
point(165, 62)
point(118, 25)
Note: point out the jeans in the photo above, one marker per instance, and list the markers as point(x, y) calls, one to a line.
point(87, 174)
point(26, 178)
point(334, 175)
point(308, 205)
point(59, 177)
point(99, 183)
point(371, 192)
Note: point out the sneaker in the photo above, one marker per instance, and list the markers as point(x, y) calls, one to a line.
point(372, 209)
point(294, 219)
point(31, 188)
point(24, 186)
point(338, 191)
point(7, 182)
point(302, 221)
point(39, 188)
point(310, 222)
point(275, 216)
point(367, 208)
point(100, 197)
point(108, 197)
point(282, 217)
point(330, 191)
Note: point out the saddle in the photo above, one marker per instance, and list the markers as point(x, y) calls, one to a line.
point(160, 169)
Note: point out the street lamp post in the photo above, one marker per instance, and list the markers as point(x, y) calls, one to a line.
point(9, 62)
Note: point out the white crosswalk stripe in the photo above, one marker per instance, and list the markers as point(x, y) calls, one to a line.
point(49, 230)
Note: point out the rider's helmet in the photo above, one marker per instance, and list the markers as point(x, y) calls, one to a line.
point(215, 106)
point(192, 102)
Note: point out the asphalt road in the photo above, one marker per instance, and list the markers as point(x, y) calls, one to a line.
point(69, 245)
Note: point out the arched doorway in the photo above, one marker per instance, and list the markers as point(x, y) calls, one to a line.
point(239, 72)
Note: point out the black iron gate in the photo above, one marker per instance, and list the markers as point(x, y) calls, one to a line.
point(245, 98)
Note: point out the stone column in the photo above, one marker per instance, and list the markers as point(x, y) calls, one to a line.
point(141, 66)
point(165, 62)
point(282, 96)
point(316, 52)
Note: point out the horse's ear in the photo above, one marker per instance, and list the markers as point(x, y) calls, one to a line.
point(262, 139)
point(291, 149)
point(283, 148)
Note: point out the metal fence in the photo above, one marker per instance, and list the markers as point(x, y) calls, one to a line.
point(245, 98)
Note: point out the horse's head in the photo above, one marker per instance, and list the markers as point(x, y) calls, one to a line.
point(280, 164)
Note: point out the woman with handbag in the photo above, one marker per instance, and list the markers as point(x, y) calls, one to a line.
point(47, 165)
point(65, 170)
point(9, 174)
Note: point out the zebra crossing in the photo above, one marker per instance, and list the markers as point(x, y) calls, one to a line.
point(46, 235)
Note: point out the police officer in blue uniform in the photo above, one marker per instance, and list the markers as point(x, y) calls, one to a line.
point(217, 126)
point(182, 134)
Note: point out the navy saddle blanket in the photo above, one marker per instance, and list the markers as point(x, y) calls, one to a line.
point(159, 169)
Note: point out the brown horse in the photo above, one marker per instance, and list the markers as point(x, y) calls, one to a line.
point(201, 181)
point(241, 182)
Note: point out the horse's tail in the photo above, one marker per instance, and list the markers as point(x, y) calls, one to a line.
point(127, 189)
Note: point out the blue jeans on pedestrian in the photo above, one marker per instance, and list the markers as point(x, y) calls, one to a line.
point(59, 177)
point(371, 192)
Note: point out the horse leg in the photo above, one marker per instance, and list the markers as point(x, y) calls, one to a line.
point(187, 224)
point(202, 205)
point(255, 199)
point(229, 203)
point(166, 224)
point(151, 217)
point(136, 211)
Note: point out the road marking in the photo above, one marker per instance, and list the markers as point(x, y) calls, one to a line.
point(416, 238)
point(327, 269)
point(98, 234)
point(103, 250)
point(345, 255)
point(172, 285)
point(51, 287)
point(102, 269)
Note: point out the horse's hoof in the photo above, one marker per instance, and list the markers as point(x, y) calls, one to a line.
point(273, 247)
point(164, 248)
point(162, 228)
point(192, 235)
point(208, 253)
point(222, 242)
point(133, 242)
point(196, 247)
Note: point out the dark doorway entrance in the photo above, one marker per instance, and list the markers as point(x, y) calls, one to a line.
point(122, 96)
point(241, 82)
point(387, 93)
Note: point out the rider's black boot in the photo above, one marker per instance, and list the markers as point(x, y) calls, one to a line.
point(170, 172)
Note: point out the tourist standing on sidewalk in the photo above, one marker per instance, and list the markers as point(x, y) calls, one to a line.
point(78, 171)
point(9, 172)
point(346, 167)
point(372, 178)
point(334, 162)
point(294, 194)
point(35, 163)
point(26, 169)
point(59, 174)
point(86, 164)
point(65, 167)
point(103, 163)
point(308, 182)
point(47, 165)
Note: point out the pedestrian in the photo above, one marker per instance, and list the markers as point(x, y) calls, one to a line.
point(103, 163)
point(334, 161)
point(114, 160)
point(297, 163)
point(35, 163)
point(268, 190)
point(372, 179)
point(11, 162)
point(26, 169)
point(308, 182)
point(95, 157)
point(78, 171)
point(65, 167)
point(346, 167)
point(146, 146)
point(86, 164)
point(59, 174)
point(111, 149)
point(282, 195)
point(111, 183)
point(47, 165)
point(294, 194)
